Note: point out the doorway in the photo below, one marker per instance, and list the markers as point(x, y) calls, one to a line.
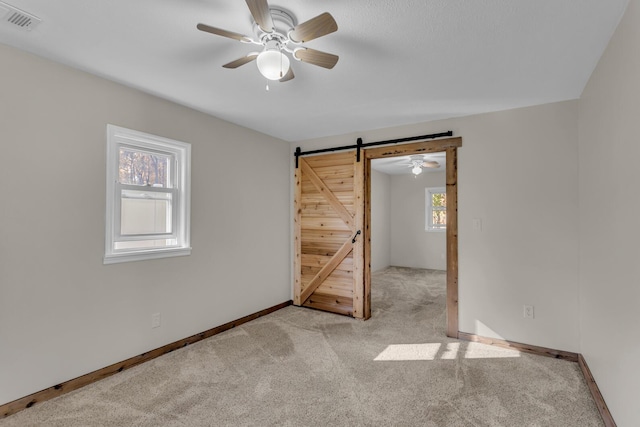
point(448, 146)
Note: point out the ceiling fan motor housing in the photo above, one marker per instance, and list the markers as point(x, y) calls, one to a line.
point(283, 22)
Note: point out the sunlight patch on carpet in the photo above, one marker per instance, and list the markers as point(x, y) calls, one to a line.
point(399, 352)
point(476, 350)
point(440, 351)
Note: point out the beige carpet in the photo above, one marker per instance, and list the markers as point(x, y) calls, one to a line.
point(300, 367)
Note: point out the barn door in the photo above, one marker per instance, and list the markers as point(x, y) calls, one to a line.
point(329, 234)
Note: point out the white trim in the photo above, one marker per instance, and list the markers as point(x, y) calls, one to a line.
point(143, 255)
point(179, 185)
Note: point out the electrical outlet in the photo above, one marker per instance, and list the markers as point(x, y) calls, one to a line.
point(477, 224)
point(155, 320)
point(528, 312)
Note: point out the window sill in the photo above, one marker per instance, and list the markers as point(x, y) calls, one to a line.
point(435, 230)
point(144, 255)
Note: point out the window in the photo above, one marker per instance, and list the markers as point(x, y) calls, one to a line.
point(148, 196)
point(436, 209)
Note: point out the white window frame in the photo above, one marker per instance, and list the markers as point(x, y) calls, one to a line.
point(429, 192)
point(179, 188)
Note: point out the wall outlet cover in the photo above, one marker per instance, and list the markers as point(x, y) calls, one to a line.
point(528, 312)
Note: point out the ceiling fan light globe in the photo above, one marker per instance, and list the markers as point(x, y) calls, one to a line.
point(273, 64)
point(417, 170)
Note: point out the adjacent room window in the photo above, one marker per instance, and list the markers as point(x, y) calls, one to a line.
point(436, 209)
point(148, 196)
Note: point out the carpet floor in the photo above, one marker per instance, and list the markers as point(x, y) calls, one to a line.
point(301, 367)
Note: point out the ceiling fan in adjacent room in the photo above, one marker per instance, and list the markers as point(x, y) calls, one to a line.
point(418, 162)
point(279, 35)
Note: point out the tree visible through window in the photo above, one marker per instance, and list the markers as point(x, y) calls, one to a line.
point(436, 209)
point(140, 168)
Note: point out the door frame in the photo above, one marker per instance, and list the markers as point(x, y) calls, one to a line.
point(449, 146)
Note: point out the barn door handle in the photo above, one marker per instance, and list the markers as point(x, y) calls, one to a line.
point(355, 236)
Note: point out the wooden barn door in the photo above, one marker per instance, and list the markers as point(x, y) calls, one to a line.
point(329, 234)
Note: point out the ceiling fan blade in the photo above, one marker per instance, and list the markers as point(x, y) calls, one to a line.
point(316, 27)
point(288, 76)
point(431, 164)
point(261, 14)
point(316, 57)
point(241, 61)
point(223, 33)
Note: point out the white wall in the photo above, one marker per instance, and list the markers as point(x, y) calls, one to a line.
point(411, 245)
point(62, 312)
point(609, 221)
point(518, 172)
point(380, 220)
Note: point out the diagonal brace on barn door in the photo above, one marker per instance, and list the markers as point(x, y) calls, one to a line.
point(325, 271)
point(344, 214)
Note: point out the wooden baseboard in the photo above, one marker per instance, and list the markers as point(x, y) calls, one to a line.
point(595, 392)
point(526, 348)
point(76, 383)
point(557, 354)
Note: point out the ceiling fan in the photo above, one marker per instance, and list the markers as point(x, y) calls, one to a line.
point(277, 31)
point(418, 162)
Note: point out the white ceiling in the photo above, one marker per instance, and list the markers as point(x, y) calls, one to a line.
point(401, 61)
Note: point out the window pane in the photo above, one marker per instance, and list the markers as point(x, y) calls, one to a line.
point(439, 218)
point(145, 212)
point(138, 167)
point(439, 200)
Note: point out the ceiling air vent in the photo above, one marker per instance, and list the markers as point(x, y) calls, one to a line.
point(20, 18)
